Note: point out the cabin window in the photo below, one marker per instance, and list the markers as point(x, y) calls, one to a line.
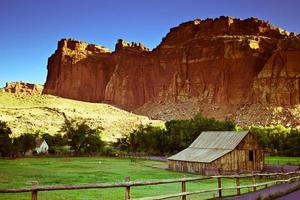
point(251, 155)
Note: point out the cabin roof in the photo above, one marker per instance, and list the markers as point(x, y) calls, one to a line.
point(39, 142)
point(210, 145)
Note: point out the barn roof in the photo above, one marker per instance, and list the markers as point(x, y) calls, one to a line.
point(210, 145)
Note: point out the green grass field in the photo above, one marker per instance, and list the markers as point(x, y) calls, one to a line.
point(281, 160)
point(80, 170)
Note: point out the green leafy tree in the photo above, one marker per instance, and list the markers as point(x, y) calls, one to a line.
point(177, 135)
point(24, 143)
point(81, 137)
point(93, 143)
point(5, 140)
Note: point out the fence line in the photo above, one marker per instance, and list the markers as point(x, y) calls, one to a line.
point(183, 194)
point(216, 189)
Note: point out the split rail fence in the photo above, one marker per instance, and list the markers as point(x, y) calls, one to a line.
point(128, 185)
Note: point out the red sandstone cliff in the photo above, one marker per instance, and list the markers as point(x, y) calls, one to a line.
point(23, 88)
point(225, 61)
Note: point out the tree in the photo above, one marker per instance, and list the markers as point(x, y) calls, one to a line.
point(93, 143)
point(24, 143)
point(81, 137)
point(177, 135)
point(5, 140)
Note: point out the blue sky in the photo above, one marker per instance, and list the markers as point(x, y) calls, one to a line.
point(30, 29)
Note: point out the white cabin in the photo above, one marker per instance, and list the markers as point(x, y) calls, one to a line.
point(41, 146)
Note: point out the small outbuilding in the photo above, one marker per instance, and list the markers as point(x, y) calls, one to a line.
point(216, 152)
point(41, 146)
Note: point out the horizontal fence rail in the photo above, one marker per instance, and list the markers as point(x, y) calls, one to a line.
point(127, 184)
point(104, 185)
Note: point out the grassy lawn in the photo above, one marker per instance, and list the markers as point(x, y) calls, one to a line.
point(79, 170)
point(281, 160)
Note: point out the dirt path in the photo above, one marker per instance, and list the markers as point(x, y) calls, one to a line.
point(292, 196)
point(271, 191)
point(280, 168)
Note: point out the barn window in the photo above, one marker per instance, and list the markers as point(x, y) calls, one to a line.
point(251, 155)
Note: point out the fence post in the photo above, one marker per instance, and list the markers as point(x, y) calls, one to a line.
point(34, 195)
point(127, 189)
point(253, 182)
point(266, 185)
point(289, 177)
point(183, 189)
point(220, 186)
point(282, 176)
point(238, 189)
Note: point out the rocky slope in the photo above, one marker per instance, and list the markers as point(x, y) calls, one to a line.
point(46, 113)
point(223, 66)
point(23, 88)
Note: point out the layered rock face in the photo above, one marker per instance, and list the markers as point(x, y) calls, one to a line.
point(278, 82)
point(78, 70)
point(224, 61)
point(23, 88)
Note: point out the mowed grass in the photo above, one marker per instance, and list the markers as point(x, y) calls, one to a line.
point(82, 170)
point(282, 160)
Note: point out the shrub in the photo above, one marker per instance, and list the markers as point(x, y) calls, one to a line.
point(177, 135)
point(5, 140)
point(81, 137)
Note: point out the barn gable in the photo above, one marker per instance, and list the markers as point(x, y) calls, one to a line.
point(210, 145)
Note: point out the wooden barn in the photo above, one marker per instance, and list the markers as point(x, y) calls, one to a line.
point(216, 152)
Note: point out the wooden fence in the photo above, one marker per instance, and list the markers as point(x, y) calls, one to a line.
point(128, 185)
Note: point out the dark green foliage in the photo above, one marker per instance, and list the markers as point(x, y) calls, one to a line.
point(5, 140)
point(55, 142)
point(279, 140)
point(181, 133)
point(178, 135)
point(24, 143)
point(82, 138)
point(15, 146)
point(291, 146)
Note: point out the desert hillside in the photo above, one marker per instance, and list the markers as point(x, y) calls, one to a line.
point(30, 113)
point(244, 116)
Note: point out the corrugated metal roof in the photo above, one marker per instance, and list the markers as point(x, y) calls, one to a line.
point(210, 145)
point(199, 155)
point(219, 139)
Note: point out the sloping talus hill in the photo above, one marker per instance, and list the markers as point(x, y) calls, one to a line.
point(224, 67)
point(26, 113)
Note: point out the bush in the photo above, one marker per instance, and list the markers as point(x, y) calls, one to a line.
point(5, 140)
point(24, 143)
point(279, 140)
point(82, 138)
point(177, 135)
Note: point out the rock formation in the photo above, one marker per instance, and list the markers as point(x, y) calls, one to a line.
point(225, 61)
point(23, 88)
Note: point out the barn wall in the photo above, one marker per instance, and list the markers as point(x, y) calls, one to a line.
point(193, 167)
point(237, 160)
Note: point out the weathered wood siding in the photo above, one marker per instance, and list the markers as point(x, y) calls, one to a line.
point(236, 160)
